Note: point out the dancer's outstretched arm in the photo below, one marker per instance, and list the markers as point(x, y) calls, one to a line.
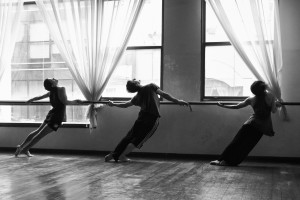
point(39, 97)
point(171, 98)
point(120, 105)
point(239, 105)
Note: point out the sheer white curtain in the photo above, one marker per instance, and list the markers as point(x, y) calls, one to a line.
point(253, 29)
point(91, 36)
point(10, 12)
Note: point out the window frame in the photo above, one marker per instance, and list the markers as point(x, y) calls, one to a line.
point(205, 44)
point(146, 48)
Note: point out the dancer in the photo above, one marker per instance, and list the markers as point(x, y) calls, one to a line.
point(54, 119)
point(147, 121)
point(259, 124)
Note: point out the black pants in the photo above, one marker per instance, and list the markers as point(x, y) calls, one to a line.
point(143, 128)
point(244, 141)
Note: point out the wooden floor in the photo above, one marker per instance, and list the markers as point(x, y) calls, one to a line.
point(62, 177)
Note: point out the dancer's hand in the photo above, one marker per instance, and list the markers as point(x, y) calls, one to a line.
point(78, 101)
point(220, 104)
point(278, 104)
point(29, 101)
point(110, 103)
point(183, 103)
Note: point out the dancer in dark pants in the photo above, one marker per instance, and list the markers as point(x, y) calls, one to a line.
point(147, 121)
point(259, 124)
point(54, 119)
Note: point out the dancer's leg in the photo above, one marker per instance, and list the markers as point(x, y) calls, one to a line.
point(33, 134)
point(250, 140)
point(45, 131)
point(245, 140)
point(119, 149)
point(28, 139)
point(130, 147)
point(143, 129)
point(234, 145)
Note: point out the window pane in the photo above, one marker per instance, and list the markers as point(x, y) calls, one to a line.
point(147, 31)
point(243, 24)
point(21, 52)
point(143, 65)
point(214, 31)
point(225, 73)
point(32, 113)
point(39, 50)
point(38, 32)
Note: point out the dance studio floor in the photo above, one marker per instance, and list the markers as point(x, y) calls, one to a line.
point(64, 177)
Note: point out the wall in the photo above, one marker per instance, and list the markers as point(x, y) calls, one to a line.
point(206, 130)
point(182, 47)
point(290, 30)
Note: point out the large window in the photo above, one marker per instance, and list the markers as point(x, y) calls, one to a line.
point(36, 57)
point(142, 60)
point(226, 75)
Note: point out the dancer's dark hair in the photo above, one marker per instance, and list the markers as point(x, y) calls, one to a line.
point(258, 88)
point(48, 84)
point(133, 86)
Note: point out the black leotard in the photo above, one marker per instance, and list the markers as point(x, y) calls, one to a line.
point(57, 114)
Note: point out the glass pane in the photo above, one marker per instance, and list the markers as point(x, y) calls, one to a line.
point(225, 73)
point(34, 113)
point(214, 31)
point(242, 19)
point(39, 50)
point(38, 32)
point(20, 54)
point(143, 65)
point(147, 31)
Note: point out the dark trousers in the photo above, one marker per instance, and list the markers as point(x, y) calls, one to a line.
point(244, 141)
point(143, 128)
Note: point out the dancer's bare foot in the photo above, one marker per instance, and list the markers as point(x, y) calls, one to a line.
point(124, 159)
point(215, 162)
point(18, 151)
point(108, 157)
point(219, 163)
point(28, 154)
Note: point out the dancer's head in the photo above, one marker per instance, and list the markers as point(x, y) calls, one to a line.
point(258, 88)
point(50, 83)
point(133, 86)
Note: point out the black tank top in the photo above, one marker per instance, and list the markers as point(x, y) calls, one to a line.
point(261, 119)
point(261, 109)
point(58, 111)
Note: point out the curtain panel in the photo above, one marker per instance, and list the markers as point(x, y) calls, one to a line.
point(91, 36)
point(10, 13)
point(253, 29)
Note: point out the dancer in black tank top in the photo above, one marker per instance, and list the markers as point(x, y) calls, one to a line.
point(259, 124)
point(54, 118)
point(148, 119)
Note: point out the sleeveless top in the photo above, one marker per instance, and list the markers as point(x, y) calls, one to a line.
point(147, 99)
point(58, 112)
point(261, 119)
